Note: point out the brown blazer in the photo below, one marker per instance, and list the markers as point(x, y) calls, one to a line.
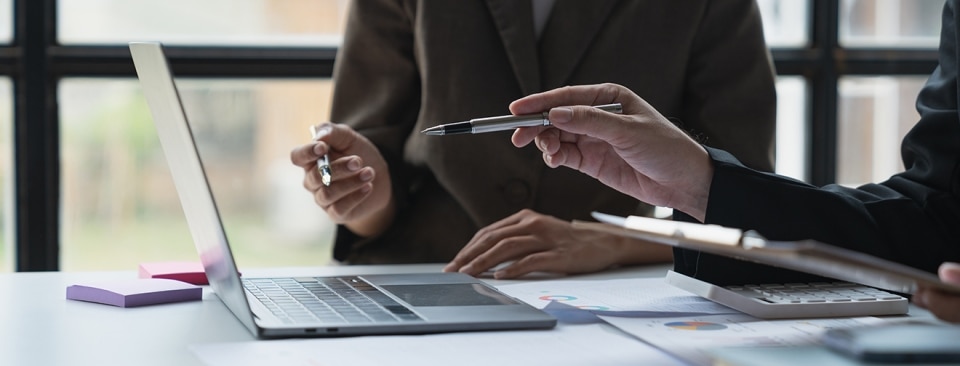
point(406, 65)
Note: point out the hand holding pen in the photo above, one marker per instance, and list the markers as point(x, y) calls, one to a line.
point(362, 198)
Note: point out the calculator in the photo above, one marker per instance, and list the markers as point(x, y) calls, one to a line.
point(796, 300)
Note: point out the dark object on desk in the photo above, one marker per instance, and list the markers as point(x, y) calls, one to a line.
point(910, 342)
point(135, 292)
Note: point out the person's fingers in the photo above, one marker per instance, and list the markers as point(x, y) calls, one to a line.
point(524, 136)
point(345, 185)
point(339, 137)
point(548, 261)
point(573, 95)
point(549, 141)
point(348, 167)
point(563, 157)
point(950, 272)
point(340, 169)
point(322, 130)
point(307, 154)
point(341, 198)
point(504, 250)
point(560, 145)
point(593, 122)
point(560, 151)
point(483, 240)
point(329, 138)
point(574, 103)
point(311, 179)
point(342, 210)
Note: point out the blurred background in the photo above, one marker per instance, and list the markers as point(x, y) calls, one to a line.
point(839, 121)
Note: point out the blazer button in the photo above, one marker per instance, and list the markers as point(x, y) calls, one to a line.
point(516, 192)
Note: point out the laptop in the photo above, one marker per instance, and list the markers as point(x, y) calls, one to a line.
point(313, 306)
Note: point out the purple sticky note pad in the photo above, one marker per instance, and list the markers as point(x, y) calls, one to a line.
point(134, 292)
point(190, 272)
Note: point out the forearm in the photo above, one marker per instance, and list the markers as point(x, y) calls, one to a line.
point(630, 251)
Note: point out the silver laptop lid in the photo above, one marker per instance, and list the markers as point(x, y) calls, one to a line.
point(196, 198)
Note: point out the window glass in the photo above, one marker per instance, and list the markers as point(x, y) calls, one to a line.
point(189, 22)
point(6, 21)
point(792, 139)
point(874, 115)
point(6, 176)
point(120, 207)
point(890, 23)
point(785, 23)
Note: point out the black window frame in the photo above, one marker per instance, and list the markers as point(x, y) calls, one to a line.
point(36, 63)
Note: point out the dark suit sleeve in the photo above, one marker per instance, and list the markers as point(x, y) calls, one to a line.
point(730, 95)
point(912, 218)
point(376, 86)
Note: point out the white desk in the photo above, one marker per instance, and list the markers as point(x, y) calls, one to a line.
point(40, 327)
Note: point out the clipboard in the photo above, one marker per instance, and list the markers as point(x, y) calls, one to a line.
point(805, 256)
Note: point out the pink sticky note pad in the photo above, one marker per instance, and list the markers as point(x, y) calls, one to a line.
point(134, 292)
point(190, 272)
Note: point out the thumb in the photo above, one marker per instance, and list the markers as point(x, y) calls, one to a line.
point(590, 121)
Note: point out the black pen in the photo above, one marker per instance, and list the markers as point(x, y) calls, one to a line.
point(501, 123)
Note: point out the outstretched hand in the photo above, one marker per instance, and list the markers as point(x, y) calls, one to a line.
point(639, 153)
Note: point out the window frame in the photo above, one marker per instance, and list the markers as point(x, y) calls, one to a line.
point(35, 62)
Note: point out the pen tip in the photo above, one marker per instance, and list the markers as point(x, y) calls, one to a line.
point(432, 131)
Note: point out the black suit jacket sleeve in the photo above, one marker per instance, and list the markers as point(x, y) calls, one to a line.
point(912, 218)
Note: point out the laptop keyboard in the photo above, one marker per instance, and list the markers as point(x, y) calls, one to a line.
point(327, 300)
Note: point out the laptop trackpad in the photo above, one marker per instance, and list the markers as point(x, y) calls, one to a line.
point(457, 294)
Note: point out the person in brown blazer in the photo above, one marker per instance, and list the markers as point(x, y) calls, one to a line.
point(403, 197)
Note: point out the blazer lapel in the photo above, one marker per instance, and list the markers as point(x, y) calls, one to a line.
point(569, 32)
point(514, 21)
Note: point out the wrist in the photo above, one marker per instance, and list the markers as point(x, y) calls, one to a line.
point(695, 194)
point(631, 251)
point(375, 224)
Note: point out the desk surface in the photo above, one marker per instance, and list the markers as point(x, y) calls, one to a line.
point(41, 327)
